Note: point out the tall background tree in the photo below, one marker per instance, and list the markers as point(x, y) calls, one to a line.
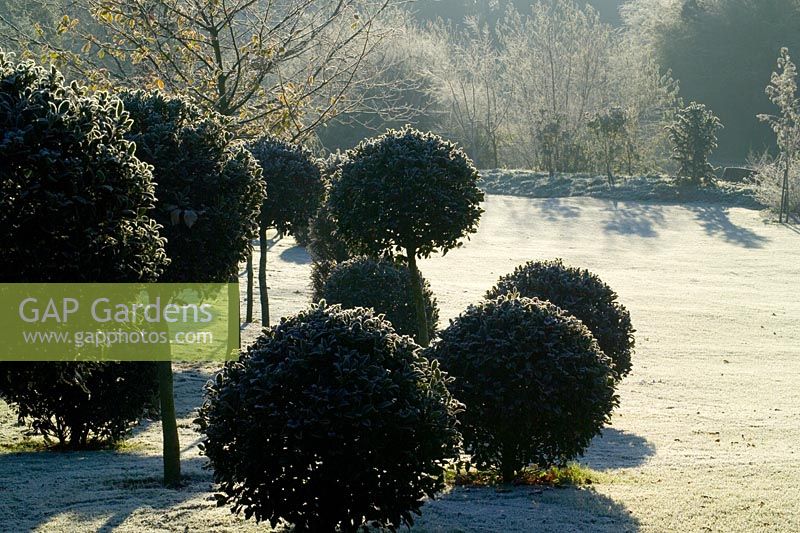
point(693, 134)
point(782, 92)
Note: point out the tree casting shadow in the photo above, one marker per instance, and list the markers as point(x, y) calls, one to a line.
point(617, 449)
point(524, 509)
point(716, 222)
point(634, 219)
point(296, 254)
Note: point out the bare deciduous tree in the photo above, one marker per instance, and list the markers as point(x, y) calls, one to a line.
point(519, 93)
point(474, 89)
point(281, 65)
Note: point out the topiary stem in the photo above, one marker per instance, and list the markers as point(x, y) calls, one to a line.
point(249, 314)
point(509, 464)
point(169, 425)
point(262, 276)
point(423, 338)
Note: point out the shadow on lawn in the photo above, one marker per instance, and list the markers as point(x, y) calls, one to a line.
point(716, 222)
point(297, 255)
point(487, 509)
point(189, 385)
point(554, 209)
point(617, 449)
point(634, 219)
point(104, 487)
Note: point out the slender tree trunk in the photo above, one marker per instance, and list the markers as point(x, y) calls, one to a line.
point(785, 193)
point(508, 463)
point(419, 301)
point(234, 316)
point(262, 276)
point(169, 425)
point(249, 314)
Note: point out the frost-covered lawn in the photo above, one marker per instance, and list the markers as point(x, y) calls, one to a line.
point(704, 439)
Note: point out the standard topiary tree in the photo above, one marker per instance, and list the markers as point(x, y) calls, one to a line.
point(382, 285)
point(693, 134)
point(406, 191)
point(208, 185)
point(74, 204)
point(329, 421)
point(536, 385)
point(294, 191)
point(210, 191)
point(581, 294)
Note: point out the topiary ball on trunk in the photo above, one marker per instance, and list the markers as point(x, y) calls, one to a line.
point(536, 386)
point(293, 182)
point(581, 294)
point(384, 286)
point(75, 206)
point(405, 191)
point(209, 186)
point(330, 420)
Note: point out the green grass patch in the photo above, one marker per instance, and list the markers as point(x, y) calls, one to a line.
point(571, 475)
point(25, 445)
point(130, 446)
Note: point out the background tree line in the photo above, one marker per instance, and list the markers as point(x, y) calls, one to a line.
point(518, 82)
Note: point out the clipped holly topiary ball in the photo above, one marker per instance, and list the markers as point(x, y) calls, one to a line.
point(83, 404)
point(330, 420)
point(384, 286)
point(408, 192)
point(75, 202)
point(536, 386)
point(581, 294)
